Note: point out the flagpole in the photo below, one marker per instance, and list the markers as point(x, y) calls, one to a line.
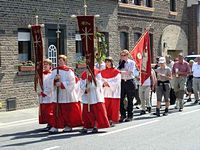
point(38, 39)
point(85, 33)
point(58, 53)
point(85, 7)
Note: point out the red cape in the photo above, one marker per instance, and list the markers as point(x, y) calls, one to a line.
point(109, 72)
point(46, 72)
point(84, 74)
point(65, 68)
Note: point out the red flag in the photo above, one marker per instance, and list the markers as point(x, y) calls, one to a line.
point(38, 45)
point(86, 29)
point(141, 53)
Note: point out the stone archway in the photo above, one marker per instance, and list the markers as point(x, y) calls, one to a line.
point(173, 41)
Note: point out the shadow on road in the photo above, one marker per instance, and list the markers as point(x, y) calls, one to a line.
point(43, 136)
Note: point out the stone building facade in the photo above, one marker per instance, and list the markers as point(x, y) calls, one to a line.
point(194, 27)
point(122, 22)
point(168, 20)
point(16, 87)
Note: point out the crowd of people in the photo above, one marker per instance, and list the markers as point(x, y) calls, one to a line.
point(105, 97)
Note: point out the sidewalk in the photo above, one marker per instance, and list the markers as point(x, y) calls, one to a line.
point(17, 115)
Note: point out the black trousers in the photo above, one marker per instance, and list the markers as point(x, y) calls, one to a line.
point(127, 89)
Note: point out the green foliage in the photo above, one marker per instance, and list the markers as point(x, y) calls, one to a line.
point(26, 63)
point(80, 60)
point(101, 48)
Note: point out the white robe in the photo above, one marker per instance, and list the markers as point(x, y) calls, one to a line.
point(95, 95)
point(68, 94)
point(48, 90)
point(114, 89)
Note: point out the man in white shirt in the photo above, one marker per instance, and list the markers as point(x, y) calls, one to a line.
point(127, 67)
point(196, 79)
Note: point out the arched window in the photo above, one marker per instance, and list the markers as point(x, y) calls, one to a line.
point(173, 5)
point(137, 2)
point(148, 3)
point(124, 40)
point(52, 55)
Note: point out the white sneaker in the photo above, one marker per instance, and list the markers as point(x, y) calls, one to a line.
point(53, 130)
point(67, 129)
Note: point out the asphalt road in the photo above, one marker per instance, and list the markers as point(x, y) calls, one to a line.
point(177, 131)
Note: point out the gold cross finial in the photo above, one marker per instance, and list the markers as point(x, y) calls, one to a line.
point(85, 7)
point(36, 19)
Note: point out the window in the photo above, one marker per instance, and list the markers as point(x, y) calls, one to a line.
point(173, 5)
point(24, 44)
point(151, 46)
point(148, 3)
point(79, 50)
point(137, 2)
point(123, 40)
point(51, 37)
point(136, 37)
point(52, 55)
point(124, 1)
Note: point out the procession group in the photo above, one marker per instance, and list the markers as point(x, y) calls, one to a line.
point(105, 97)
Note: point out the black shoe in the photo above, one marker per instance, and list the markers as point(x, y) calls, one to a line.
point(181, 109)
point(46, 129)
point(137, 107)
point(94, 130)
point(149, 109)
point(157, 113)
point(196, 101)
point(83, 131)
point(128, 119)
point(122, 119)
point(142, 112)
point(112, 124)
point(166, 112)
point(189, 100)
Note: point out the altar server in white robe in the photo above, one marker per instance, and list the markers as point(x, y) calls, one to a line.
point(45, 97)
point(68, 110)
point(111, 78)
point(94, 111)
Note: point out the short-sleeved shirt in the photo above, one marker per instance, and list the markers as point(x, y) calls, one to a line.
point(182, 67)
point(166, 71)
point(196, 70)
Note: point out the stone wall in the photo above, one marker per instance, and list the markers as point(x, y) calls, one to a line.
point(193, 19)
point(137, 18)
point(18, 14)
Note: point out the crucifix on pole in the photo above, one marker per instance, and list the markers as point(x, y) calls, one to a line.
point(58, 32)
point(57, 57)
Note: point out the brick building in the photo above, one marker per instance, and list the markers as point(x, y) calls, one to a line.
point(122, 23)
point(15, 40)
point(194, 27)
point(168, 19)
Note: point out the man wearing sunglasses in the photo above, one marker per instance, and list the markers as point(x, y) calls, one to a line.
point(127, 68)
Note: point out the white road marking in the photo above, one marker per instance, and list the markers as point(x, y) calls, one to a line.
point(18, 123)
point(50, 148)
point(131, 127)
point(189, 112)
